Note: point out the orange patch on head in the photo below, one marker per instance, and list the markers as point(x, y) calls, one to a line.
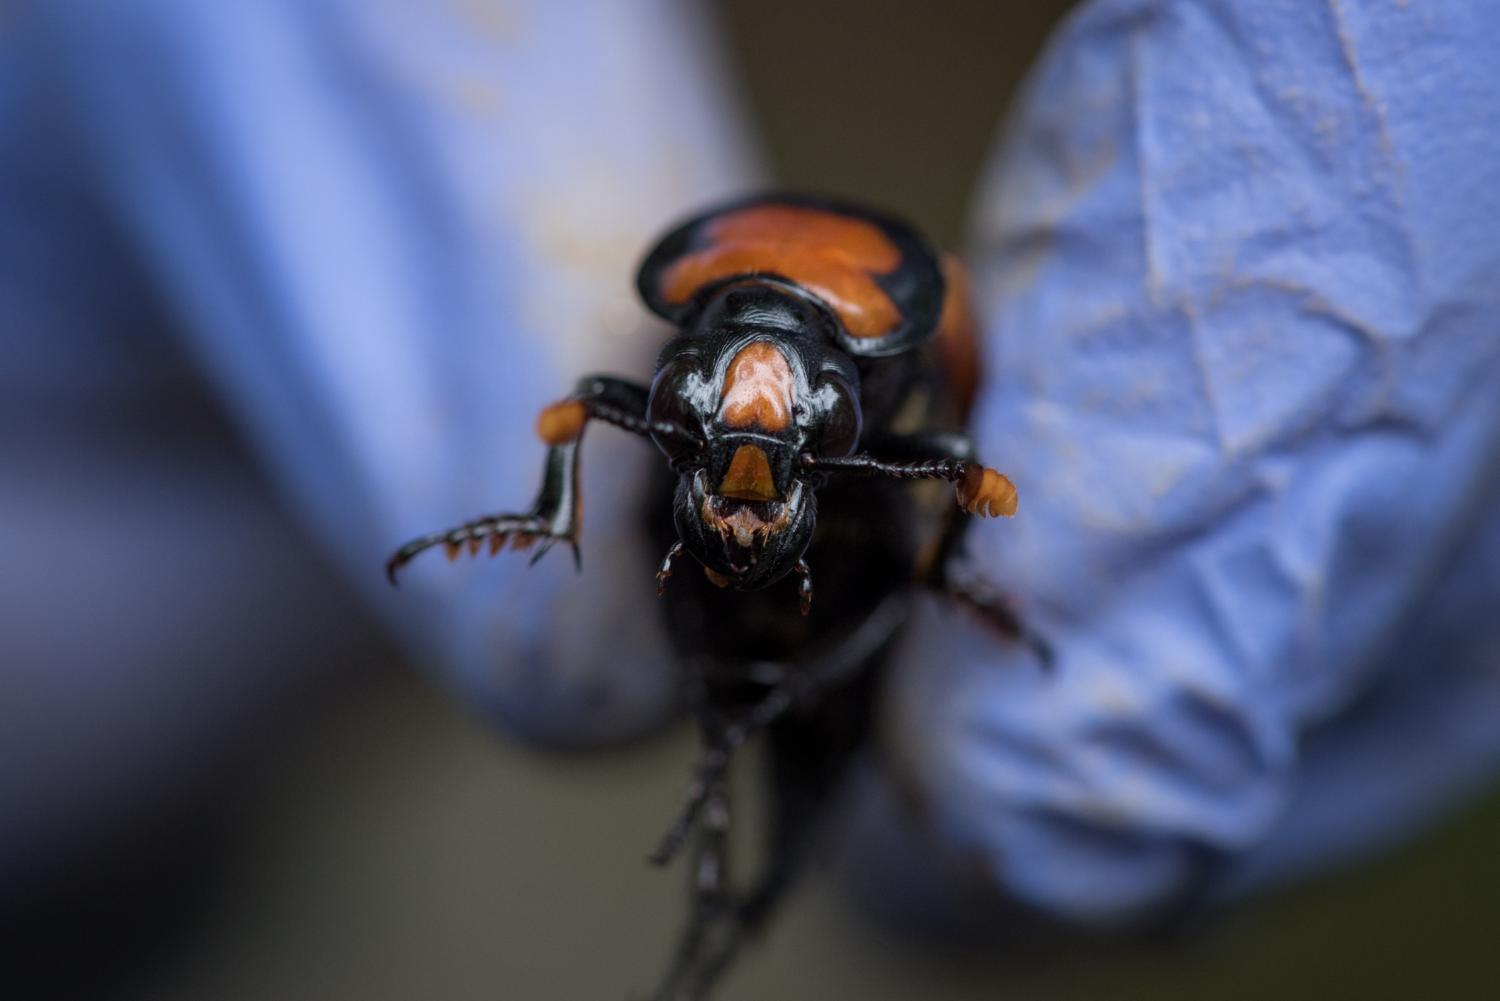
point(749, 476)
point(758, 389)
point(561, 422)
point(833, 256)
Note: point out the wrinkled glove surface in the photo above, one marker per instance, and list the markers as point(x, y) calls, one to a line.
point(1239, 265)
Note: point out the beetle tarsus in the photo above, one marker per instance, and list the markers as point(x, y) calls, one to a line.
point(520, 531)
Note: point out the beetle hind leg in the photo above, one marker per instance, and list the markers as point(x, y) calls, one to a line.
point(718, 750)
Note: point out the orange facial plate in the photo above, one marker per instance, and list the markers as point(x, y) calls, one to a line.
point(758, 390)
point(749, 476)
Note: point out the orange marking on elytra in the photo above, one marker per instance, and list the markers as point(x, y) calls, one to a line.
point(758, 389)
point(834, 256)
point(957, 335)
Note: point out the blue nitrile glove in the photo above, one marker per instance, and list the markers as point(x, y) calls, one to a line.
point(387, 233)
point(1241, 270)
point(393, 233)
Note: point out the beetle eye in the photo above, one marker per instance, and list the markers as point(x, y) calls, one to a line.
point(677, 395)
point(837, 418)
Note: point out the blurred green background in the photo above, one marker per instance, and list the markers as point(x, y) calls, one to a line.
point(395, 847)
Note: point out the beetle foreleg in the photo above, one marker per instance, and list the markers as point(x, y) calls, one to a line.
point(608, 399)
point(553, 517)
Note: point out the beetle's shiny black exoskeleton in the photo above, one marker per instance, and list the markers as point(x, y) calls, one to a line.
point(825, 352)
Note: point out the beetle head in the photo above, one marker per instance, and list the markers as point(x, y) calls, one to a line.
point(760, 384)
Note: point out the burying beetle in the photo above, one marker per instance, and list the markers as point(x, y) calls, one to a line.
point(825, 352)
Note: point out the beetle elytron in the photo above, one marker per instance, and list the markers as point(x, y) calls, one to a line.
point(824, 352)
